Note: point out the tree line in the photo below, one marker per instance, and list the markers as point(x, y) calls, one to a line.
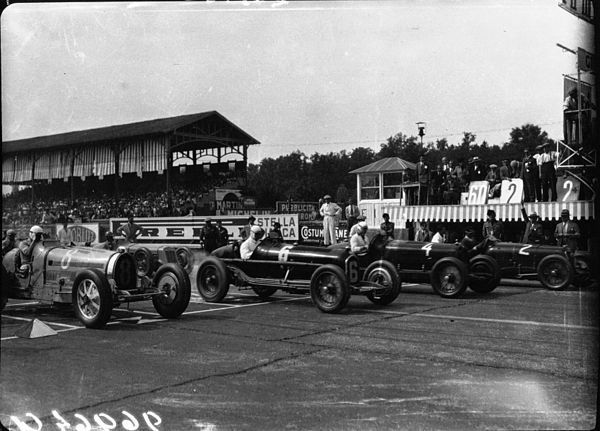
point(300, 177)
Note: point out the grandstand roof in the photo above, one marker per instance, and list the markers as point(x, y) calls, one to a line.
point(121, 131)
point(389, 164)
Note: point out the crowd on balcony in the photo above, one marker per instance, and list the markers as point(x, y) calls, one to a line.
point(444, 182)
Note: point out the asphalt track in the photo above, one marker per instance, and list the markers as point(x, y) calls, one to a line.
point(517, 358)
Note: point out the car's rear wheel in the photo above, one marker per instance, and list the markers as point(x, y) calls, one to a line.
point(383, 272)
point(329, 289)
point(264, 292)
point(174, 285)
point(449, 277)
point(484, 274)
point(554, 272)
point(92, 298)
point(212, 280)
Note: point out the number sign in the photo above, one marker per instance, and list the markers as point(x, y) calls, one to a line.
point(478, 192)
point(511, 191)
point(567, 189)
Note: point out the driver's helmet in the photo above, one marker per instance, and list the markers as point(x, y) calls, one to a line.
point(35, 231)
point(256, 231)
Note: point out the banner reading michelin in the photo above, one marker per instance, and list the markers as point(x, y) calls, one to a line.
point(178, 229)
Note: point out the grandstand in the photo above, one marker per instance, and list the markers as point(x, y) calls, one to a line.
point(194, 152)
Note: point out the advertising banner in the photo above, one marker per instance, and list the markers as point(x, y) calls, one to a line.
point(187, 229)
point(313, 232)
point(81, 232)
point(307, 211)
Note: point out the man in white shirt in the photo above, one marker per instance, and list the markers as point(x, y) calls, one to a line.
point(358, 241)
point(440, 235)
point(352, 213)
point(548, 173)
point(330, 212)
point(248, 246)
point(64, 235)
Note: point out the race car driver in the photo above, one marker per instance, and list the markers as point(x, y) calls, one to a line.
point(36, 234)
point(358, 242)
point(248, 246)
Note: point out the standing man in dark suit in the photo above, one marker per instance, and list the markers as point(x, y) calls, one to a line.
point(567, 231)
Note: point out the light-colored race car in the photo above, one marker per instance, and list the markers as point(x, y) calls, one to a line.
point(94, 281)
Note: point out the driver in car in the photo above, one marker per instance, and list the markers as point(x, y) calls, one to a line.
point(248, 246)
point(36, 234)
point(358, 242)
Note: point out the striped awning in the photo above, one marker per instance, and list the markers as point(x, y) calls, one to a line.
point(580, 210)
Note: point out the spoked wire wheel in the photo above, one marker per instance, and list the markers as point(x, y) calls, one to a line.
point(329, 289)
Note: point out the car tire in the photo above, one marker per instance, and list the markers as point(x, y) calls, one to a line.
point(174, 282)
point(212, 279)
point(583, 276)
point(449, 277)
point(554, 272)
point(383, 272)
point(329, 289)
point(264, 292)
point(143, 261)
point(484, 274)
point(92, 298)
point(185, 258)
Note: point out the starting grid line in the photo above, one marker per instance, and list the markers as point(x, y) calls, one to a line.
point(222, 306)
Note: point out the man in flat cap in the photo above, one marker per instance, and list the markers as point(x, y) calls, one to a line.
point(492, 229)
point(330, 211)
point(10, 242)
point(567, 232)
point(209, 236)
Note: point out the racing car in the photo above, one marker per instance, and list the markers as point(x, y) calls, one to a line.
point(555, 267)
point(447, 267)
point(330, 275)
point(93, 281)
point(149, 257)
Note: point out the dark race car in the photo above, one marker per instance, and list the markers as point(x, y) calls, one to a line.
point(447, 267)
point(553, 266)
point(149, 257)
point(94, 281)
point(330, 275)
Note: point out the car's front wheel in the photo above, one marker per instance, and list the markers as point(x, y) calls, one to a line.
point(554, 272)
point(329, 289)
point(173, 283)
point(92, 298)
point(449, 277)
point(212, 280)
point(484, 274)
point(383, 273)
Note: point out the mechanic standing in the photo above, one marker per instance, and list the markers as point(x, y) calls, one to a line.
point(130, 230)
point(10, 242)
point(567, 231)
point(387, 226)
point(223, 234)
point(493, 229)
point(352, 213)
point(209, 235)
point(330, 211)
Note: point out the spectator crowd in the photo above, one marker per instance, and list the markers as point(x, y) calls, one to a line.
point(443, 183)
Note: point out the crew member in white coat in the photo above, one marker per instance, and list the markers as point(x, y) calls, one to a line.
point(330, 211)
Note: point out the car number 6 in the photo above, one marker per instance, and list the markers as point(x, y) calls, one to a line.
point(66, 260)
point(284, 253)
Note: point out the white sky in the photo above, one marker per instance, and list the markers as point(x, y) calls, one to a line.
point(313, 76)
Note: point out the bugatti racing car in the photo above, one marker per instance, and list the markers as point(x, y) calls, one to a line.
point(93, 281)
point(330, 275)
